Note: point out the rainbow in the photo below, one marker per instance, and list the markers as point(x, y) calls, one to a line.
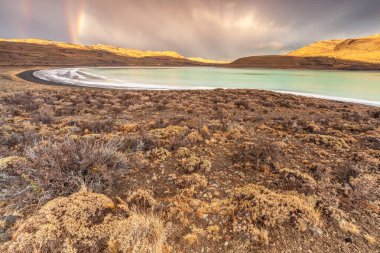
point(75, 14)
point(26, 7)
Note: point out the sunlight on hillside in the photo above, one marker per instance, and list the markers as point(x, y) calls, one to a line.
point(114, 50)
point(365, 49)
point(199, 59)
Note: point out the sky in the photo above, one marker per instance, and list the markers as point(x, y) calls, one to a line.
point(214, 29)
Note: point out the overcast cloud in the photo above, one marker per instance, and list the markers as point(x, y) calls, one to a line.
point(218, 29)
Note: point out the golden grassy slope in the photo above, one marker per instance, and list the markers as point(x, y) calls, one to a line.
point(366, 49)
point(126, 52)
point(200, 59)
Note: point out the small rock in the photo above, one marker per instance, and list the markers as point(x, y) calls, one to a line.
point(317, 231)
point(5, 237)
point(10, 220)
point(348, 239)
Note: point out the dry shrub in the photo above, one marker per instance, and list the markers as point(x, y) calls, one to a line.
point(141, 200)
point(193, 180)
point(97, 125)
point(260, 152)
point(159, 155)
point(87, 222)
point(21, 138)
point(365, 187)
point(258, 235)
point(256, 209)
point(214, 233)
point(205, 132)
point(194, 137)
point(141, 142)
point(236, 133)
point(183, 152)
point(45, 114)
point(296, 180)
point(194, 163)
point(194, 236)
point(169, 132)
point(326, 140)
point(242, 103)
point(61, 168)
point(180, 207)
point(170, 137)
point(10, 161)
point(369, 159)
point(15, 188)
point(138, 234)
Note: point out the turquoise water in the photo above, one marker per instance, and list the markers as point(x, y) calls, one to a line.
point(339, 85)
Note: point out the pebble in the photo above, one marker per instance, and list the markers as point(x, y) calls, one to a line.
point(5, 237)
point(317, 231)
point(10, 220)
point(348, 239)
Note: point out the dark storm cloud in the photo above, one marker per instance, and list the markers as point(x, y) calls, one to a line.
point(218, 29)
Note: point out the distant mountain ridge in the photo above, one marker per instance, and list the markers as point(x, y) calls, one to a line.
point(46, 52)
point(338, 54)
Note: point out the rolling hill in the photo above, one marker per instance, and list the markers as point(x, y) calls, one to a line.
point(338, 54)
point(36, 52)
point(344, 54)
point(365, 49)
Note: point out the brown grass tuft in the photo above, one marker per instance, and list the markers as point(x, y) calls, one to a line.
point(349, 227)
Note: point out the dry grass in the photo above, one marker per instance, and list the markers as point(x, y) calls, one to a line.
point(256, 209)
point(88, 222)
point(370, 239)
point(349, 227)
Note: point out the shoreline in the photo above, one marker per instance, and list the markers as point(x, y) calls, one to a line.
point(29, 76)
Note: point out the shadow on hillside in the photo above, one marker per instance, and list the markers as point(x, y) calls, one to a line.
point(296, 62)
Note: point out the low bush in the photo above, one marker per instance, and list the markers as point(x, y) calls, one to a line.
point(296, 180)
point(45, 114)
point(255, 209)
point(258, 152)
point(88, 222)
point(62, 167)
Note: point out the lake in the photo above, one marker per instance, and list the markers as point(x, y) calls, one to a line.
point(353, 86)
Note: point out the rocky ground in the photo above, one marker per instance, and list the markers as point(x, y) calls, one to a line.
point(90, 170)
